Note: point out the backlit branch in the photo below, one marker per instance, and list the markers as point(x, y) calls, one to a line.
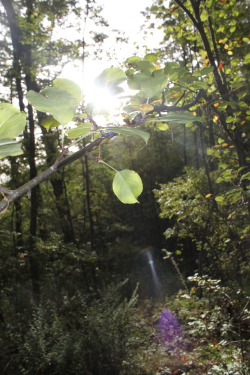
point(11, 196)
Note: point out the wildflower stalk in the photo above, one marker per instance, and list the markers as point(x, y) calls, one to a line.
point(169, 255)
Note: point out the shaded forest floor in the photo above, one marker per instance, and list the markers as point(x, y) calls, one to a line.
point(201, 341)
point(113, 335)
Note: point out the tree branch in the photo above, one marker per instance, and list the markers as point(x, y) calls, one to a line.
point(188, 13)
point(12, 195)
point(175, 108)
point(200, 28)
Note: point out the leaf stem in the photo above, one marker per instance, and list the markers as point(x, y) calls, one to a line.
point(103, 162)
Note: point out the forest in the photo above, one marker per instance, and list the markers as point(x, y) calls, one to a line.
point(124, 230)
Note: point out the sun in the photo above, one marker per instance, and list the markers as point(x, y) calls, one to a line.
point(102, 100)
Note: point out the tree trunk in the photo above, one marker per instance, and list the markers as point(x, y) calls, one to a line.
point(22, 55)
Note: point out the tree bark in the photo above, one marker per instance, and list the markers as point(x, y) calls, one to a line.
point(22, 54)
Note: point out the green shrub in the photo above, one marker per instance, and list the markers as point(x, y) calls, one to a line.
point(214, 327)
point(83, 336)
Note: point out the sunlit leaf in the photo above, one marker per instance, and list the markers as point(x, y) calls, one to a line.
point(247, 58)
point(162, 126)
point(56, 101)
point(151, 57)
point(50, 122)
point(9, 147)
point(12, 121)
point(209, 195)
point(146, 108)
point(144, 66)
point(204, 15)
point(69, 86)
point(219, 198)
point(130, 131)
point(110, 77)
point(81, 131)
point(150, 85)
point(176, 95)
point(178, 117)
point(127, 186)
point(132, 60)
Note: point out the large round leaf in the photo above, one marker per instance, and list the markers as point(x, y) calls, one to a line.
point(56, 101)
point(69, 86)
point(127, 186)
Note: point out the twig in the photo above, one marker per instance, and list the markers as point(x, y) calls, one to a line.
point(175, 108)
point(5, 191)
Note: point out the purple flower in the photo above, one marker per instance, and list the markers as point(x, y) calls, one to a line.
point(170, 330)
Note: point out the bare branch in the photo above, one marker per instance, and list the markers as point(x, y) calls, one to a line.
point(13, 195)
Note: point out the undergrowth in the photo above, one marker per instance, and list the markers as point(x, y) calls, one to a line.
point(212, 337)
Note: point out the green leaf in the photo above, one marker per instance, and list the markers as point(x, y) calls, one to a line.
point(162, 126)
point(150, 85)
point(127, 186)
point(178, 117)
point(130, 131)
point(247, 59)
point(144, 66)
point(174, 71)
point(9, 147)
point(12, 121)
point(199, 85)
point(132, 60)
point(210, 151)
point(50, 122)
point(56, 101)
point(246, 176)
point(81, 131)
point(110, 77)
point(219, 198)
point(152, 57)
point(204, 15)
point(69, 86)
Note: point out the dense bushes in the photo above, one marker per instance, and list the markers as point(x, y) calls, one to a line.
point(81, 336)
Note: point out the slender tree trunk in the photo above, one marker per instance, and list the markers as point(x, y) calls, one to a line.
point(18, 238)
point(185, 145)
point(206, 165)
point(22, 55)
point(50, 141)
point(196, 150)
point(23, 62)
point(88, 200)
